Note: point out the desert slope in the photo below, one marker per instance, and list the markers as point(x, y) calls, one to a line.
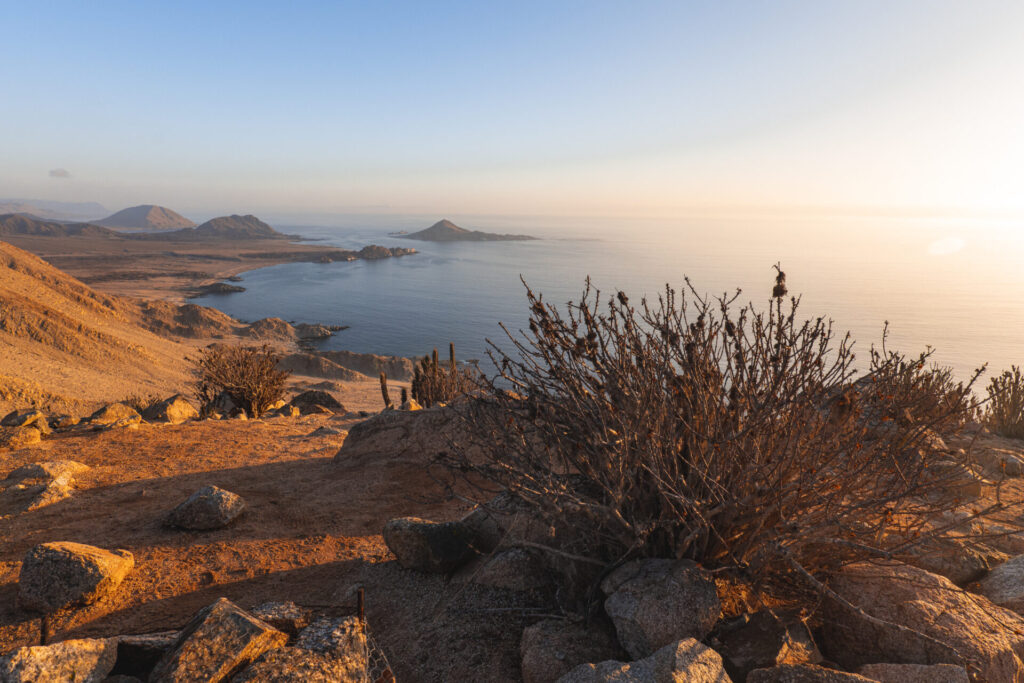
point(66, 345)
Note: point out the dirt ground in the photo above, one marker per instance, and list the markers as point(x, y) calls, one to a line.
point(310, 532)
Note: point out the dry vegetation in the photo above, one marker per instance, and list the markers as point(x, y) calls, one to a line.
point(247, 374)
point(434, 382)
point(744, 439)
point(1005, 409)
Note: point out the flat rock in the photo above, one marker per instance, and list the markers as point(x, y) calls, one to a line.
point(37, 485)
point(175, 410)
point(19, 437)
point(654, 603)
point(436, 547)
point(218, 642)
point(208, 508)
point(113, 414)
point(915, 673)
point(54, 575)
point(284, 616)
point(88, 660)
point(803, 673)
point(553, 647)
point(296, 665)
point(686, 661)
point(959, 626)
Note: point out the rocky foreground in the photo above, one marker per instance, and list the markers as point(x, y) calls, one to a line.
point(157, 546)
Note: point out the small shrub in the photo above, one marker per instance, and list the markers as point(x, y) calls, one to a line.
point(248, 374)
point(1004, 412)
point(740, 438)
point(434, 382)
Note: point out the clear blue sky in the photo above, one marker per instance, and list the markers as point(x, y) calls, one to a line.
point(582, 107)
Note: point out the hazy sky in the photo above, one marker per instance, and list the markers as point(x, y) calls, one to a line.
point(520, 107)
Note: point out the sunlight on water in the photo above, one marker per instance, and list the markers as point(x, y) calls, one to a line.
point(954, 285)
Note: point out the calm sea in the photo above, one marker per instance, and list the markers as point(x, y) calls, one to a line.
point(956, 285)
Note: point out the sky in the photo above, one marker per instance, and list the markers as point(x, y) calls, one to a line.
point(585, 107)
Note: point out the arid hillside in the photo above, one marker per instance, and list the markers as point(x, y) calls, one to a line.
point(66, 345)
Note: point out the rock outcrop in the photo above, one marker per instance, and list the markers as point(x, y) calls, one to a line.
point(654, 603)
point(54, 575)
point(176, 409)
point(37, 485)
point(1005, 585)
point(208, 508)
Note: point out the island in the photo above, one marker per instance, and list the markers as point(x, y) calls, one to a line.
point(446, 231)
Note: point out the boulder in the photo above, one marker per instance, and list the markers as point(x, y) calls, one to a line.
point(64, 421)
point(119, 414)
point(19, 437)
point(88, 660)
point(175, 410)
point(436, 547)
point(284, 616)
point(29, 417)
point(287, 410)
point(1005, 584)
point(37, 485)
point(915, 673)
point(342, 639)
point(961, 562)
point(292, 664)
point(208, 508)
point(516, 569)
point(654, 603)
point(803, 673)
point(414, 437)
point(484, 529)
point(57, 574)
point(308, 400)
point(765, 639)
point(686, 661)
point(957, 627)
point(218, 642)
point(553, 647)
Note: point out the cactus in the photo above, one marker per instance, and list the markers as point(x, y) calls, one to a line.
point(405, 396)
point(435, 383)
point(384, 389)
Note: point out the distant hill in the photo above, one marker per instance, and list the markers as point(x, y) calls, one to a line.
point(148, 217)
point(223, 228)
point(20, 224)
point(53, 210)
point(446, 231)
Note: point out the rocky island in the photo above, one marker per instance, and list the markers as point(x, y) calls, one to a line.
point(446, 231)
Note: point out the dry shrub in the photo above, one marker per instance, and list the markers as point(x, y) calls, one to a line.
point(248, 374)
point(691, 427)
point(1004, 412)
point(434, 382)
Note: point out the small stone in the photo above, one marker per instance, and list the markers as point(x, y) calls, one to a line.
point(54, 575)
point(410, 404)
point(218, 641)
point(654, 603)
point(436, 547)
point(208, 508)
point(87, 660)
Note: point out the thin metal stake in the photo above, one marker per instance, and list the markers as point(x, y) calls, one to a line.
point(362, 608)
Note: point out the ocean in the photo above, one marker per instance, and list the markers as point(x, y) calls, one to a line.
point(955, 285)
